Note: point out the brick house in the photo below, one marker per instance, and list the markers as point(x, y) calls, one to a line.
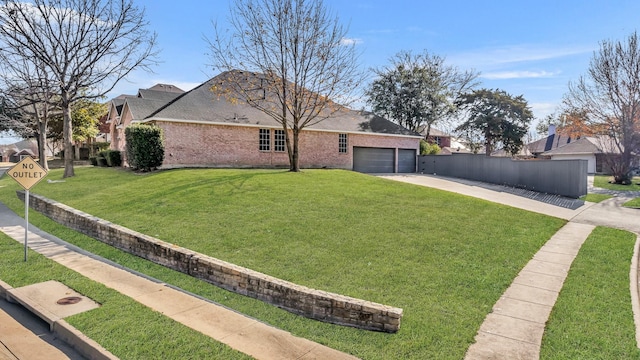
point(203, 129)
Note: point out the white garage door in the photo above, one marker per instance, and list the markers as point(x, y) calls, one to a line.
point(591, 160)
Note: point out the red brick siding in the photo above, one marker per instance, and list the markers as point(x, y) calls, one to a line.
point(237, 146)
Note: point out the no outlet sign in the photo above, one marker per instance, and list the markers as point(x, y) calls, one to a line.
point(27, 173)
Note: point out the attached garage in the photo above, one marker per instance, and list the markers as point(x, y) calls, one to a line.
point(373, 160)
point(591, 160)
point(406, 160)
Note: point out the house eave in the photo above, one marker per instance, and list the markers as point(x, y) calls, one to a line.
point(202, 122)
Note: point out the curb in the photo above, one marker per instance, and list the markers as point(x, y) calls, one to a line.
point(61, 329)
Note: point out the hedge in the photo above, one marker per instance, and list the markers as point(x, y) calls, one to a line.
point(145, 146)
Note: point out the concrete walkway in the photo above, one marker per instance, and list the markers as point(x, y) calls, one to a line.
point(514, 328)
point(240, 332)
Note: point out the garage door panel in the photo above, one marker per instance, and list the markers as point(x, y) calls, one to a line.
point(373, 160)
point(406, 160)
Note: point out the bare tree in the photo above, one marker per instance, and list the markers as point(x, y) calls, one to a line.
point(301, 60)
point(32, 95)
point(86, 47)
point(609, 96)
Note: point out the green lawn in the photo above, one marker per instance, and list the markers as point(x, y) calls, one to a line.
point(602, 181)
point(125, 327)
point(595, 198)
point(592, 318)
point(444, 258)
point(635, 203)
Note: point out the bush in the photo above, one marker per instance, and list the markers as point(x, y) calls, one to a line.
point(93, 160)
point(112, 157)
point(100, 146)
point(428, 149)
point(145, 146)
point(101, 161)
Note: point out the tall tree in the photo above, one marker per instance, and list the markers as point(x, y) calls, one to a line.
point(417, 91)
point(609, 96)
point(303, 59)
point(502, 120)
point(86, 46)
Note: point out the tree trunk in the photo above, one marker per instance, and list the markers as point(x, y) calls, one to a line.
point(294, 166)
point(42, 143)
point(67, 133)
point(487, 142)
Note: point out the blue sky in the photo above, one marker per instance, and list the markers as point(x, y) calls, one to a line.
point(530, 48)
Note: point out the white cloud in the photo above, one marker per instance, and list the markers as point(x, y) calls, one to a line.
point(542, 109)
point(480, 58)
point(350, 41)
point(502, 75)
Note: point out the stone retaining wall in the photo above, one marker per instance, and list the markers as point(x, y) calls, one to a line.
point(315, 304)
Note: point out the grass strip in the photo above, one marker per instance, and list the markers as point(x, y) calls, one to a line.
point(595, 198)
point(444, 258)
point(123, 326)
point(592, 318)
point(634, 204)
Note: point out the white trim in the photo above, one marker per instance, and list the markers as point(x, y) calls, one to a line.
point(203, 122)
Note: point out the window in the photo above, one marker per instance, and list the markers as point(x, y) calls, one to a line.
point(278, 140)
point(342, 143)
point(439, 141)
point(265, 139)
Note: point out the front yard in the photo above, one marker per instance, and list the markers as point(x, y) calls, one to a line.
point(444, 258)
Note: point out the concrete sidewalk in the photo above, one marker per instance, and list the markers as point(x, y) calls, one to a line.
point(240, 332)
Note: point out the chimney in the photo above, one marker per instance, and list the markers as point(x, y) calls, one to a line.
point(552, 129)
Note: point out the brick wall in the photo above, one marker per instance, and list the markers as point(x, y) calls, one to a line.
point(237, 146)
point(315, 304)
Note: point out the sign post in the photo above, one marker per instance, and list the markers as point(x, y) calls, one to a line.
point(27, 173)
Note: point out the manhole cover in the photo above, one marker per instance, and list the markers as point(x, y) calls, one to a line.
point(69, 300)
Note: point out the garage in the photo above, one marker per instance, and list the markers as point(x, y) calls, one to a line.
point(406, 160)
point(591, 160)
point(373, 160)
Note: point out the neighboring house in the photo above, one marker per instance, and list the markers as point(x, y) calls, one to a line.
point(17, 151)
point(436, 136)
point(6, 151)
point(203, 129)
point(595, 149)
point(448, 144)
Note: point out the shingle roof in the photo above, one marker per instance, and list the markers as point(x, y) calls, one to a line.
point(141, 108)
point(585, 145)
point(201, 104)
point(548, 143)
point(161, 95)
point(166, 88)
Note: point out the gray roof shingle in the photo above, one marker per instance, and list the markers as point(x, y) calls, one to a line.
point(586, 145)
point(201, 104)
